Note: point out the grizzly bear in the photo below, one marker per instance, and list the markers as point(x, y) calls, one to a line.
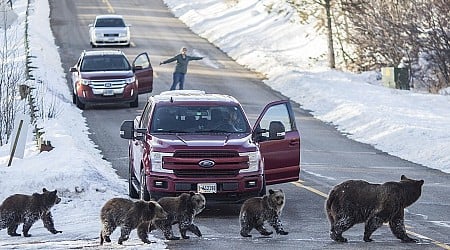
point(357, 201)
point(27, 209)
point(182, 211)
point(128, 214)
point(256, 210)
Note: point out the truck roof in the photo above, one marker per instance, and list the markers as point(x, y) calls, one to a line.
point(192, 96)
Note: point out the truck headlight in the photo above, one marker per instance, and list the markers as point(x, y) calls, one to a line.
point(253, 161)
point(156, 159)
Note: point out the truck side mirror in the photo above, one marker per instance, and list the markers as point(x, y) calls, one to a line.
point(127, 130)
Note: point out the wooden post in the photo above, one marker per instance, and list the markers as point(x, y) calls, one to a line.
point(13, 151)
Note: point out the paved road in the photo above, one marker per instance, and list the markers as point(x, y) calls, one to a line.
point(328, 157)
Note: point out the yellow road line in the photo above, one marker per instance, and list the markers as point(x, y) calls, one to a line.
point(313, 190)
point(110, 8)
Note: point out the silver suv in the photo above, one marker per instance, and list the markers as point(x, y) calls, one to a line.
point(109, 30)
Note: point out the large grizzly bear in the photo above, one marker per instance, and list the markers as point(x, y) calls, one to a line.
point(128, 214)
point(182, 211)
point(27, 209)
point(256, 210)
point(357, 201)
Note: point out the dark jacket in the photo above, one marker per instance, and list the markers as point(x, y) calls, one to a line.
point(182, 63)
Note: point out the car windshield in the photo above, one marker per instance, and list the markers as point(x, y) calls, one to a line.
point(199, 119)
point(109, 22)
point(105, 63)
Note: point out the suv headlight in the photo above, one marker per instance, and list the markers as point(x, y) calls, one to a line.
point(85, 82)
point(130, 80)
point(253, 161)
point(156, 159)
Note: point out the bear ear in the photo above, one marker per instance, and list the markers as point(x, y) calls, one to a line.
point(271, 191)
point(191, 193)
point(403, 177)
point(151, 205)
point(421, 182)
point(44, 190)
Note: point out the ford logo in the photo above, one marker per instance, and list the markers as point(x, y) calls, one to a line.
point(206, 163)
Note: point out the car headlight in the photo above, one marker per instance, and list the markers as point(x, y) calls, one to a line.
point(253, 161)
point(85, 82)
point(130, 80)
point(98, 34)
point(122, 34)
point(156, 158)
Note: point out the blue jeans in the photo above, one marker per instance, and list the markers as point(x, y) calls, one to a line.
point(177, 78)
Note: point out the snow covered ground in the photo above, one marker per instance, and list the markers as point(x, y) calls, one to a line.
point(414, 126)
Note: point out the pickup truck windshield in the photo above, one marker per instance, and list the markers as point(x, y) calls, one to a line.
point(199, 119)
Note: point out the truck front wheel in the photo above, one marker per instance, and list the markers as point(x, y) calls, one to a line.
point(143, 194)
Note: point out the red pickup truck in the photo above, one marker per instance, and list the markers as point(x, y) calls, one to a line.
point(188, 140)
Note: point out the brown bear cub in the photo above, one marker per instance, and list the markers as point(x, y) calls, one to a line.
point(256, 210)
point(27, 209)
point(357, 201)
point(128, 215)
point(182, 211)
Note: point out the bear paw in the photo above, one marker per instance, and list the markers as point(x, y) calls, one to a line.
point(337, 238)
point(15, 234)
point(56, 232)
point(282, 232)
point(245, 235)
point(409, 240)
point(266, 233)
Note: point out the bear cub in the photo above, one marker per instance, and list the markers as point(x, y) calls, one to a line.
point(182, 211)
point(358, 201)
point(27, 209)
point(128, 215)
point(256, 210)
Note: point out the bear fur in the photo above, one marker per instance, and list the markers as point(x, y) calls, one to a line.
point(129, 215)
point(182, 211)
point(27, 209)
point(357, 201)
point(256, 210)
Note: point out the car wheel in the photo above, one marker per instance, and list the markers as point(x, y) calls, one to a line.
point(143, 192)
point(132, 192)
point(135, 103)
point(80, 105)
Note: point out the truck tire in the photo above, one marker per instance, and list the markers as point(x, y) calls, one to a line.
point(143, 192)
point(132, 192)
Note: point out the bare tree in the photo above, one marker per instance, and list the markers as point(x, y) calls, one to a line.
point(10, 77)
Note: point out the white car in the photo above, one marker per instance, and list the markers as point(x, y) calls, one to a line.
point(109, 30)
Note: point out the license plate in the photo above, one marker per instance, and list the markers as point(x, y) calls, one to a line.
point(208, 188)
point(108, 92)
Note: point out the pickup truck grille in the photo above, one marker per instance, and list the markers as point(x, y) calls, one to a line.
point(190, 158)
point(206, 173)
point(206, 154)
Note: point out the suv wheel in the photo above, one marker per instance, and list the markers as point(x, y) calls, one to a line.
point(135, 103)
point(80, 105)
point(132, 192)
point(143, 192)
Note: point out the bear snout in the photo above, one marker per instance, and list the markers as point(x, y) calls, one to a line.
point(58, 200)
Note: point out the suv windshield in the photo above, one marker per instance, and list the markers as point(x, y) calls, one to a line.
point(105, 63)
point(199, 119)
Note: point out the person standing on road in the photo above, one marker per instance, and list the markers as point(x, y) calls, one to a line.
point(181, 67)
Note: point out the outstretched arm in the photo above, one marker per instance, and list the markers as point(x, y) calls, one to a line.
point(169, 60)
point(195, 58)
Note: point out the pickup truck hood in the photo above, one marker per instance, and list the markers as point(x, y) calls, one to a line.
point(106, 75)
point(220, 141)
